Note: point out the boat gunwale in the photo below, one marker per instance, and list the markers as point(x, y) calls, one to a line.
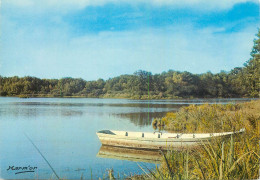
point(113, 135)
point(127, 138)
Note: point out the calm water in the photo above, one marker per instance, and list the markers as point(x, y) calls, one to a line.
point(64, 130)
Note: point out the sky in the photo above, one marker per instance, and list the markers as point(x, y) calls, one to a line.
point(93, 39)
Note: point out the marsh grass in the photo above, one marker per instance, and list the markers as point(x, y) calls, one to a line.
point(237, 157)
point(213, 160)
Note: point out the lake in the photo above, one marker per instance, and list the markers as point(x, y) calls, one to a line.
point(64, 131)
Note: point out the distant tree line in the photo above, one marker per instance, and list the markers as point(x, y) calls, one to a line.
point(239, 82)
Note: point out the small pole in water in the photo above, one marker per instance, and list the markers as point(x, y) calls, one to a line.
point(42, 156)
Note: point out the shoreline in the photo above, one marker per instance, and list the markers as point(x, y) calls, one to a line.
point(116, 97)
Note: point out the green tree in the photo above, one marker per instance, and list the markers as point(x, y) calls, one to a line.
point(252, 69)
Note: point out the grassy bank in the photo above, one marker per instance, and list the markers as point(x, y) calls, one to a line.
point(233, 158)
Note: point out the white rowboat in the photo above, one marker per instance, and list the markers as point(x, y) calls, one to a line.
point(149, 140)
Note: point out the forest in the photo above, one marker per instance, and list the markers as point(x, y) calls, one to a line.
point(238, 82)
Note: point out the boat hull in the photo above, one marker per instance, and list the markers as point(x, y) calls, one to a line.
point(147, 143)
point(139, 140)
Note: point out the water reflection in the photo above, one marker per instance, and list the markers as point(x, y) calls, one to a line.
point(139, 112)
point(130, 103)
point(141, 118)
point(141, 104)
point(136, 155)
point(34, 112)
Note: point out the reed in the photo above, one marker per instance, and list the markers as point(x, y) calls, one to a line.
point(237, 157)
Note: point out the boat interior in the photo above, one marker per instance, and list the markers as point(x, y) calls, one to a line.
point(161, 134)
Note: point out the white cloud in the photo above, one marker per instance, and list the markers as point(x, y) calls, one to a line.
point(51, 53)
point(54, 52)
point(72, 4)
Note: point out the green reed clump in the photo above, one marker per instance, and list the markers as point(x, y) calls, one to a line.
point(158, 123)
point(218, 159)
point(214, 118)
point(227, 159)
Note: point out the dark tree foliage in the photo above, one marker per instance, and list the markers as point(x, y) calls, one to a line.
point(252, 70)
point(246, 80)
point(239, 82)
point(172, 84)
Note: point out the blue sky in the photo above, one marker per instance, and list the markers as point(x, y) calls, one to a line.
point(94, 39)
